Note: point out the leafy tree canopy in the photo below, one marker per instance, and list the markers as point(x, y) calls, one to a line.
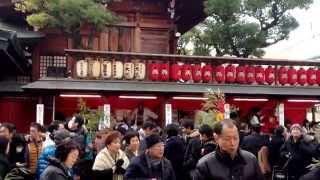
point(67, 15)
point(243, 27)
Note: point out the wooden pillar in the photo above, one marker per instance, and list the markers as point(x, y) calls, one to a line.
point(70, 61)
point(103, 40)
point(137, 34)
point(40, 99)
point(36, 63)
point(53, 107)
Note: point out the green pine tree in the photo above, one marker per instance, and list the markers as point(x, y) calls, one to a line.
point(244, 27)
point(69, 16)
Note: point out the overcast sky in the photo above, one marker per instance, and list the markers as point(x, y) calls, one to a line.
point(304, 42)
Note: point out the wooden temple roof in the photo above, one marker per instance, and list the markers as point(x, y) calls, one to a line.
point(188, 14)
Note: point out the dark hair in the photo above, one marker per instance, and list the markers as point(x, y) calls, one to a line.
point(218, 127)
point(256, 128)
point(79, 119)
point(148, 124)
point(3, 145)
point(129, 135)
point(37, 126)
point(188, 123)
point(122, 128)
point(59, 116)
point(205, 129)
point(255, 110)
point(54, 125)
point(234, 115)
point(11, 127)
point(65, 148)
point(279, 131)
point(112, 135)
point(172, 130)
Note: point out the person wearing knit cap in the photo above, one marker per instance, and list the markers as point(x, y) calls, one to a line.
point(151, 164)
point(298, 152)
point(59, 137)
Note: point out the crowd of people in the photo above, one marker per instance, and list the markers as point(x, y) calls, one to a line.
point(229, 150)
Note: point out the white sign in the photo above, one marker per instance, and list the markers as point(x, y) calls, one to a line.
point(106, 123)
point(226, 111)
point(168, 108)
point(281, 114)
point(40, 113)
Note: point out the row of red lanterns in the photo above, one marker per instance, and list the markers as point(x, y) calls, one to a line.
point(245, 74)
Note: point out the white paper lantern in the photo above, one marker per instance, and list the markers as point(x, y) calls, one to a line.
point(140, 71)
point(94, 66)
point(117, 70)
point(82, 69)
point(128, 70)
point(106, 69)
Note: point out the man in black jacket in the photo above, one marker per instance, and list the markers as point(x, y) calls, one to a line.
point(197, 148)
point(16, 146)
point(151, 164)
point(255, 141)
point(298, 152)
point(228, 162)
point(174, 150)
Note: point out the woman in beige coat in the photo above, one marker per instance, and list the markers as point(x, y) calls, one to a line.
point(111, 162)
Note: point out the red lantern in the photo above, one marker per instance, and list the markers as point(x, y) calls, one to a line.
point(230, 73)
point(207, 73)
point(249, 74)
point(219, 74)
point(153, 71)
point(241, 74)
point(312, 76)
point(318, 76)
point(175, 72)
point(164, 72)
point(283, 75)
point(270, 75)
point(259, 74)
point(302, 76)
point(292, 76)
point(196, 73)
point(186, 72)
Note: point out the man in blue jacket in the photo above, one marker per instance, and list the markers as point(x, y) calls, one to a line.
point(49, 151)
